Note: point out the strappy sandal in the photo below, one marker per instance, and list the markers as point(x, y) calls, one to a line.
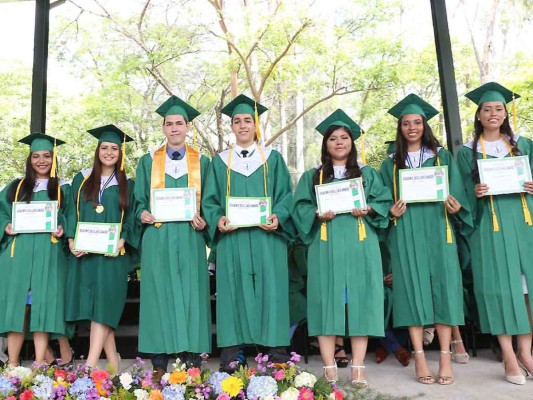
point(428, 337)
point(442, 379)
point(425, 380)
point(358, 382)
point(341, 361)
point(329, 379)
point(459, 358)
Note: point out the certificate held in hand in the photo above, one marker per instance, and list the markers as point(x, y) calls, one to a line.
point(504, 175)
point(421, 185)
point(341, 196)
point(248, 211)
point(173, 204)
point(98, 238)
point(34, 217)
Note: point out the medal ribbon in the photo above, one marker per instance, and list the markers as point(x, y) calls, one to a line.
point(123, 250)
point(103, 187)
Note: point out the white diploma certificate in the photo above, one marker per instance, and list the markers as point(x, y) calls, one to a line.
point(177, 204)
point(34, 217)
point(426, 184)
point(504, 175)
point(99, 238)
point(248, 211)
point(340, 197)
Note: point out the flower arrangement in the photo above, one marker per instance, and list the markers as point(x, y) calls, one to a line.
point(266, 381)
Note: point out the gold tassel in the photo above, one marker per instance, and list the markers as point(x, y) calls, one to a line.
point(256, 118)
point(323, 232)
point(363, 154)
point(158, 224)
point(449, 238)
point(13, 247)
point(123, 161)
point(53, 173)
point(495, 225)
point(514, 115)
point(53, 239)
point(122, 251)
point(362, 229)
point(527, 214)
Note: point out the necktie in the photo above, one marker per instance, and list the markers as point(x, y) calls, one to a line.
point(177, 155)
point(244, 153)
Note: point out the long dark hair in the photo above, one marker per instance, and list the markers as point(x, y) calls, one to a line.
point(478, 130)
point(352, 167)
point(26, 189)
point(428, 140)
point(92, 185)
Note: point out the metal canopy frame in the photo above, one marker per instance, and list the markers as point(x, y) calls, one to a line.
point(450, 101)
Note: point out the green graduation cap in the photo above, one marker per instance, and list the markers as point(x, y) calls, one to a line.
point(110, 133)
point(242, 105)
point(491, 91)
point(340, 118)
point(40, 142)
point(391, 146)
point(412, 104)
point(176, 106)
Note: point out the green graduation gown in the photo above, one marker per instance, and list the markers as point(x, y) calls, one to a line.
point(427, 284)
point(37, 265)
point(97, 285)
point(175, 313)
point(251, 265)
point(343, 267)
point(500, 258)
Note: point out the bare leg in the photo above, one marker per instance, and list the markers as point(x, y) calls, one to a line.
point(423, 374)
point(458, 345)
point(110, 350)
point(40, 341)
point(327, 352)
point(359, 345)
point(509, 358)
point(65, 350)
point(524, 351)
point(15, 340)
point(445, 364)
point(98, 336)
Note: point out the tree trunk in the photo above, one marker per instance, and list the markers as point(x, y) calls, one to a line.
point(300, 161)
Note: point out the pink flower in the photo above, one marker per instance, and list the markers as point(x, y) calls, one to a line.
point(194, 372)
point(338, 394)
point(26, 395)
point(146, 383)
point(306, 394)
point(279, 374)
point(99, 375)
point(223, 396)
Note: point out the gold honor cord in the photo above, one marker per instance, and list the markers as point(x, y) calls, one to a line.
point(265, 171)
point(16, 199)
point(525, 209)
point(449, 238)
point(324, 227)
point(123, 250)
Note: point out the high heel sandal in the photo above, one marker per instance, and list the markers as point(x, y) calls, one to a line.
point(70, 363)
point(425, 380)
point(514, 379)
point(325, 368)
point(459, 358)
point(341, 361)
point(358, 382)
point(442, 379)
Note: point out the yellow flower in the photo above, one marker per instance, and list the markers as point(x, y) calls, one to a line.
point(178, 377)
point(232, 385)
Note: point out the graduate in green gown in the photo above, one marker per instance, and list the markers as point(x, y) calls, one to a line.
point(501, 243)
point(97, 283)
point(33, 266)
point(345, 279)
point(425, 266)
point(252, 277)
point(175, 315)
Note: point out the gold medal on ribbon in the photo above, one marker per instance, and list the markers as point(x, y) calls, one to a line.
point(99, 208)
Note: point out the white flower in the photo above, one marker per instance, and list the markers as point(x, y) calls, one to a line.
point(19, 372)
point(290, 394)
point(165, 377)
point(140, 394)
point(126, 380)
point(304, 379)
